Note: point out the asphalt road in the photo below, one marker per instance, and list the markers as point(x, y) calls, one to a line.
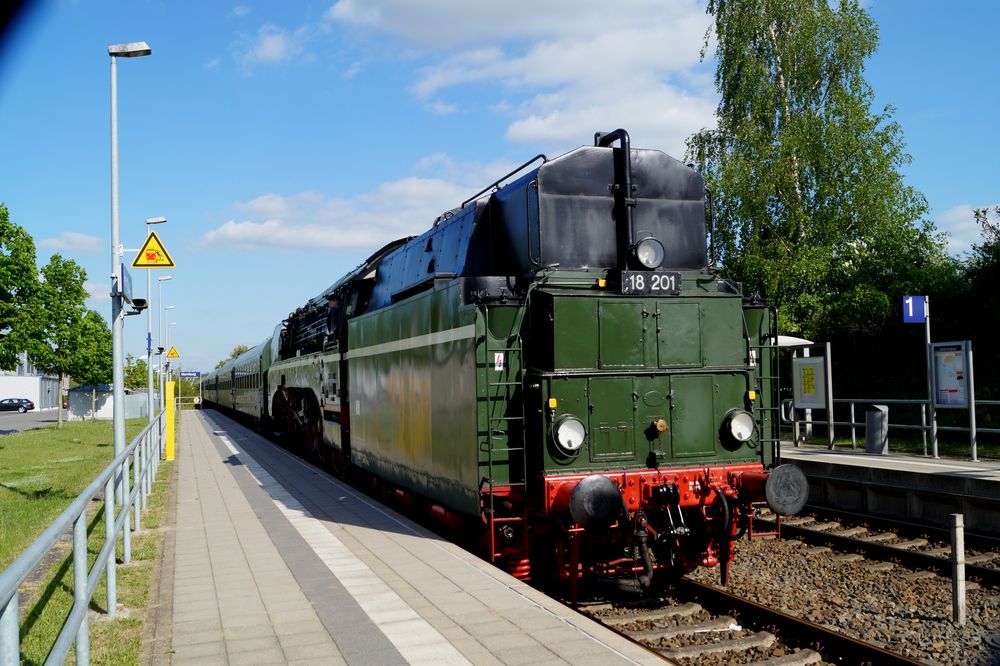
point(11, 422)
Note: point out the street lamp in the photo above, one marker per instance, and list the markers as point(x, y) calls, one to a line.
point(162, 351)
point(149, 326)
point(161, 280)
point(131, 50)
point(169, 324)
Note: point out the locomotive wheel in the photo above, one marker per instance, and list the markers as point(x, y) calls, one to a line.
point(315, 448)
point(543, 564)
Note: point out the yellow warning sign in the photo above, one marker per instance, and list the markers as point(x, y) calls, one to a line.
point(152, 254)
point(173, 353)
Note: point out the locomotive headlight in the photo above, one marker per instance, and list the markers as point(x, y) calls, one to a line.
point(649, 252)
point(568, 432)
point(740, 425)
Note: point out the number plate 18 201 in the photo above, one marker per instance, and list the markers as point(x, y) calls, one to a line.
point(664, 284)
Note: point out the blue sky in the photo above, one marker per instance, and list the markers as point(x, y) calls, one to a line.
point(286, 141)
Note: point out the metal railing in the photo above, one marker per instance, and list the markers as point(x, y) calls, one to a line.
point(141, 459)
point(788, 415)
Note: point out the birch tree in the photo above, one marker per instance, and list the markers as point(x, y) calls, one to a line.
point(810, 206)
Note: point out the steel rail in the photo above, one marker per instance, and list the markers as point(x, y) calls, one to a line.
point(910, 558)
point(846, 649)
point(972, 539)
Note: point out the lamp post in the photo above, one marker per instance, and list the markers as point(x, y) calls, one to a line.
point(169, 324)
point(162, 352)
point(131, 50)
point(149, 327)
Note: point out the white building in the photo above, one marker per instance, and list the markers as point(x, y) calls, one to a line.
point(26, 382)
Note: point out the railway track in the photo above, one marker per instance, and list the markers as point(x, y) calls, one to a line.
point(701, 624)
point(917, 547)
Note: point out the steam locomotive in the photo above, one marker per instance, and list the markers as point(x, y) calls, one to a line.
point(552, 366)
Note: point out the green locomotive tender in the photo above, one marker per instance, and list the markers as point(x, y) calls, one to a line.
point(552, 363)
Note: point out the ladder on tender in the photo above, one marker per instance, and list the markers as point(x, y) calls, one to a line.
point(501, 425)
point(767, 408)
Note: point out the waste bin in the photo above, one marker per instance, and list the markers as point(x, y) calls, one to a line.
point(877, 429)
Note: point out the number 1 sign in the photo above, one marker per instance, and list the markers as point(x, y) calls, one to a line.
point(914, 309)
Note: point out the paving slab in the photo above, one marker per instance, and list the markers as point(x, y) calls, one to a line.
point(277, 562)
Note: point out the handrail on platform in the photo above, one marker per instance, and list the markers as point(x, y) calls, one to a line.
point(788, 416)
point(142, 455)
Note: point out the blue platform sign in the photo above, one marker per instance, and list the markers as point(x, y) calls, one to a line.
point(914, 309)
point(125, 288)
point(190, 373)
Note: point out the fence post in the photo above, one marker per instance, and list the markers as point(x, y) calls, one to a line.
point(958, 569)
point(80, 587)
point(972, 409)
point(150, 467)
point(136, 482)
point(127, 508)
point(109, 537)
point(923, 425)
point(10, 639)
point(854, 430)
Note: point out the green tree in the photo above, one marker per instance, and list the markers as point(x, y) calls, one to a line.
point(57, 311)
point(93, 361)
point(810, 206)
point(18, 282)
point(135, 372)
point(979, 309)
point(187, 387)
point(237, 350)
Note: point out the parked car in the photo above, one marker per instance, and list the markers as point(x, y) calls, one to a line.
point(16, 404)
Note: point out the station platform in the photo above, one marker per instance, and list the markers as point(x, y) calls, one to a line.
point(908, 487)
point(275, 562)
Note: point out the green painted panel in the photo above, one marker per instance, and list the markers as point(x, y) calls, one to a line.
point(723, 338)
point(622, 331)
point(571, 398)
point(730, 393)
point(678, 335)
point(575, 344)
point(653, 403)
point(413, 402)
point(693, 423)
point(612, 423)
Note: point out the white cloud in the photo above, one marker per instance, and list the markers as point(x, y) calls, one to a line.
point(98, 293)
point(440, 108)
point(71, 241)
point(241, 10)
point(212, 65)
point(310, 221)
point(272, 45)
point(960, 224)
point(444, 24)
point(559, 69)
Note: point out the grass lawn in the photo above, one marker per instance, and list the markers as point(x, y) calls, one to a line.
point(41, 472)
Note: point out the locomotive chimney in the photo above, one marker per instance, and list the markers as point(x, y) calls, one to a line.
point(622, 188)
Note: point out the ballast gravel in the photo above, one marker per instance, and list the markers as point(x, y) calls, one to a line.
point(896, 608)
